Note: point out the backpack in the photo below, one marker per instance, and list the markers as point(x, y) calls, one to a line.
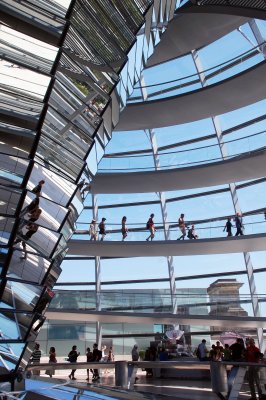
point(148, 225)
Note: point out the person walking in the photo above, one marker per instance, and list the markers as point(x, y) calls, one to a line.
point(135, 357)
point(227, 353)
point(253, 355)
point(89, 359)
point(36, 357)
point(228, 227)
point(202, 351)
point(150, 226)
point(102, 228)
point(52, 360)
point(96, 357)
point(237, 350)
point(182, 226)
point(93, 230)
point(35, 215)
point(72, 357)
point(110, 356)
point(239, 224)
point(38, 188)
point(124, 229)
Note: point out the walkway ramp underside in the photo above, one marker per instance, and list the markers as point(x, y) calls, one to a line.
point(166, 248)
point(241, 168)
point(250, 8)
point(238, 91)
point(187, 32)
point(153, 318)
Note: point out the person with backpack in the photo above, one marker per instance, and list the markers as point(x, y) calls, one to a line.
point(102, 229)
point(72, 357)
point(96, 357)
point(150, 226)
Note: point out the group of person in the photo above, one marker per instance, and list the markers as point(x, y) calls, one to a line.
point(36, 357)
point(33, 212)
point(237, 352)
point(95, 355)
point(93, 230)
point(186, 231)
point(238, 224)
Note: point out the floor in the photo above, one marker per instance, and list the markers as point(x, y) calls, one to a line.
point(184, 389)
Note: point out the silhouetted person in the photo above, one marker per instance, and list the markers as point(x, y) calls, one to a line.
point(237, 350)
point(102, 229)
point(150, 226)
point(72, 357)
point(182, 226)
point(135, 357)
point(228, 227)
point(96, 357)
point(38, 188)
point(124, 229)
point(89, 359)
point(239, 224)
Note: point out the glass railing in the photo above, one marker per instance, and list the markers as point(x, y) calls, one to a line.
point(255, 224)
point(186, 157)
point(188, 303)
point(192, 82)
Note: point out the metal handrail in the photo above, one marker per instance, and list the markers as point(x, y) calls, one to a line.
point(137, 364)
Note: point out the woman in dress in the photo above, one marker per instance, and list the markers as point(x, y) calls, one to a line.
point(52, 360)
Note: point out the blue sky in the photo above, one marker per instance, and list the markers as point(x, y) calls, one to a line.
point(250, 198)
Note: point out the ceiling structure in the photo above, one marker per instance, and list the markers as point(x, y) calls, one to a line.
point(69, 77)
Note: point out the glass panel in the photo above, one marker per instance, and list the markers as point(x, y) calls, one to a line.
point(41, 239)
point(56, 188)
point(6, 227)
point(9, 200)
point(31, 268)
point(47, 213)
point(21, 296)
point(14, 325)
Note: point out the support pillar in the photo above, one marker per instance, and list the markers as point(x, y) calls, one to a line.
point(234, 196)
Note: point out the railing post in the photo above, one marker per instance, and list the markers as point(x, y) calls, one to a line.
point(121, 374)
point(219, 379)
